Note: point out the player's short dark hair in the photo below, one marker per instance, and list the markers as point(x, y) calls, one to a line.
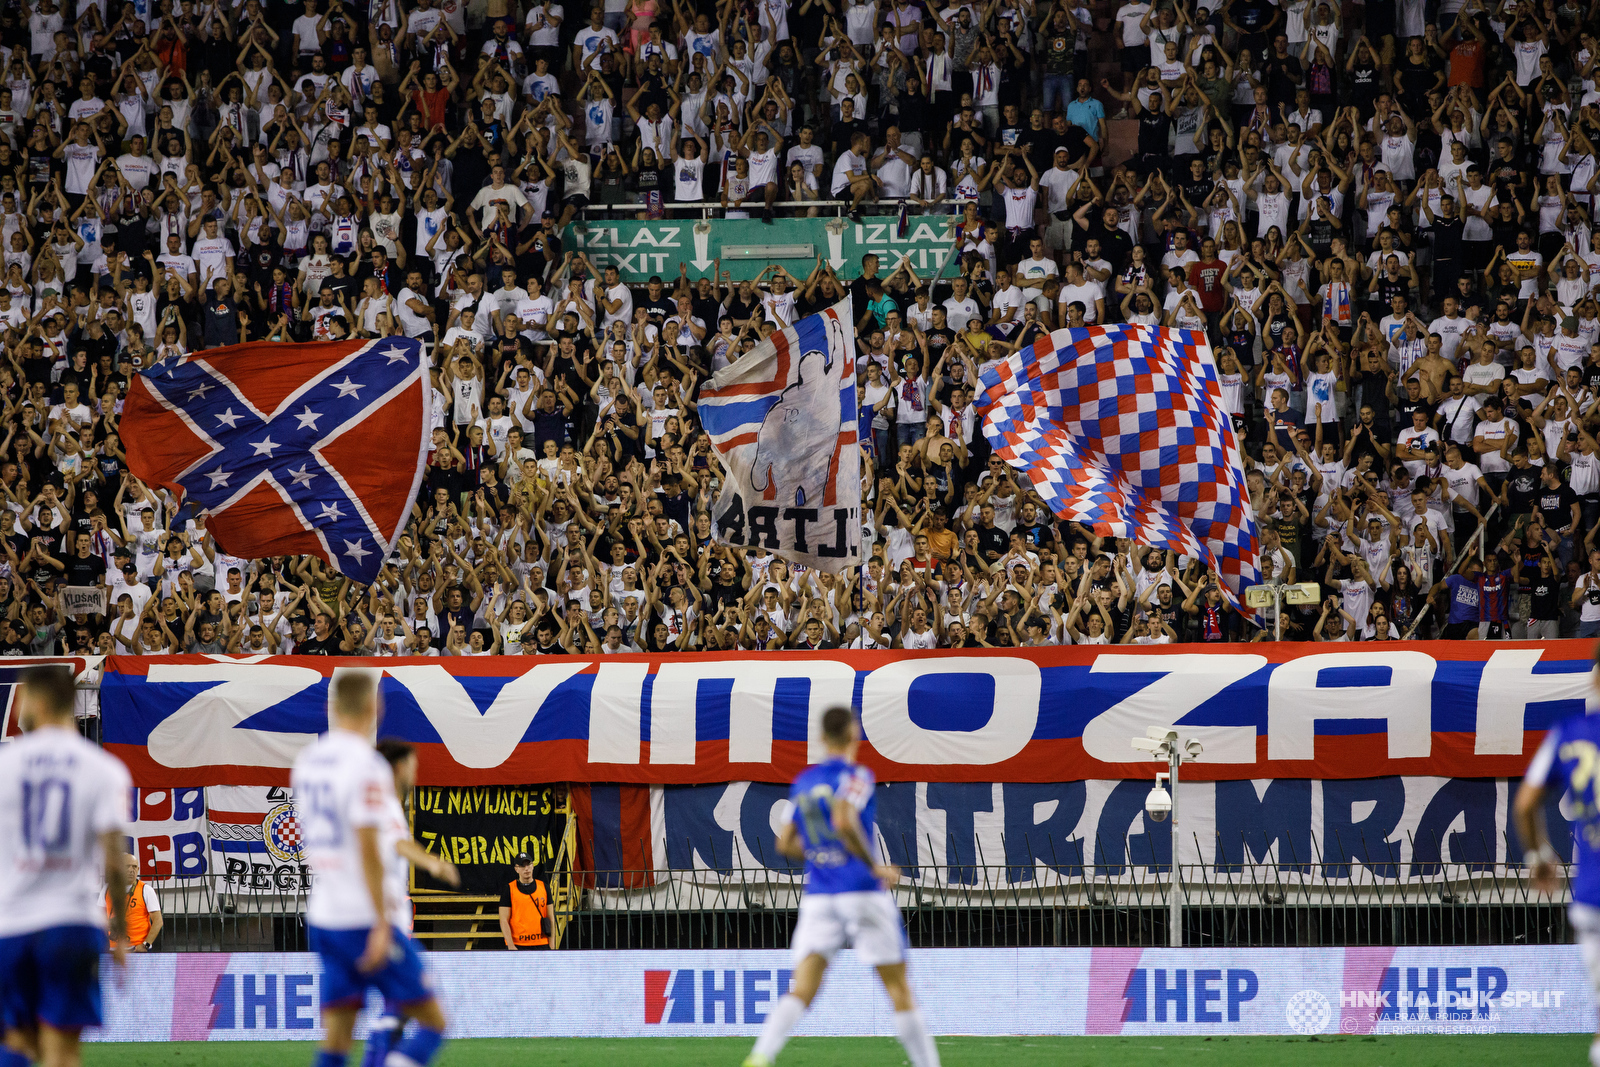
point(395, 750)
point(51, 685)
point(836, 722)
point(351, 690)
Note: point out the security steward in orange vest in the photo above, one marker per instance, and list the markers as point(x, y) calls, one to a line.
point(525, 908)
point(144, 909)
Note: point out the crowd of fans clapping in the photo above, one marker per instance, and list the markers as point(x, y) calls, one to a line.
point(1380, 214)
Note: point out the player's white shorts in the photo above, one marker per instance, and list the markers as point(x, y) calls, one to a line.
point(869, 922)
point(1585, 919)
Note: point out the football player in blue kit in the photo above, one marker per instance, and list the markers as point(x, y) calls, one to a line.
point(846, 899)
point(1567, 763)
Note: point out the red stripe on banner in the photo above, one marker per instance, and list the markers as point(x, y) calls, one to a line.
point(147, 773)
point(1056, 760)
point(845, 439)
point(735, 442)
point(779, 378)
point(583, 811)
point(636, 843)
point(240, 818)
point(277, 370)
point(167, 447)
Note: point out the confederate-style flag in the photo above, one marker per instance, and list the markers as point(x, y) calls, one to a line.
point(313, 449)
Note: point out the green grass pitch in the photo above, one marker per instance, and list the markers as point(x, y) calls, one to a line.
point(1409, 1051)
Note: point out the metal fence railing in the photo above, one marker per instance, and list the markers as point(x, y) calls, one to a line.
point(1246, 905)
point(982, 905)
point(210, 914)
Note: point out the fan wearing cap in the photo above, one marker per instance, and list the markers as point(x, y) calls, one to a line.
point(525, 908)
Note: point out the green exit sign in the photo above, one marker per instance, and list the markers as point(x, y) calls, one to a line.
point(640, 250)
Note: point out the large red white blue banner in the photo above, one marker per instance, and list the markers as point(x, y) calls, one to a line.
point(1456, 710)
point(311, 449)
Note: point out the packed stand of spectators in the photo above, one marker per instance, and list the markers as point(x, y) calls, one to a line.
point(1381, 215)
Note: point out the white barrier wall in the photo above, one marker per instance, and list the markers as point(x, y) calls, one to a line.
point(259, 996)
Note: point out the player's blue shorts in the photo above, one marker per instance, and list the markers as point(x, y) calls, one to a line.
point(51, 976)
point(404, 979)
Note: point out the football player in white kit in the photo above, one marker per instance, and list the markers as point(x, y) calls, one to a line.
point(399, 852)
point(344, 792)
point(63, 821)
point(846, 897)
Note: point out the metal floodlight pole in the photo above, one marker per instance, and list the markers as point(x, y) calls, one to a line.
point(1175, 903)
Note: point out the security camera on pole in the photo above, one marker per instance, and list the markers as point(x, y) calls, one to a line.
point(1162, 743)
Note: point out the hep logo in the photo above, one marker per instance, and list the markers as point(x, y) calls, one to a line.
point(669, 996)
point(657, 998)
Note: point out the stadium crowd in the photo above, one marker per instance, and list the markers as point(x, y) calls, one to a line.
point(1381, 214)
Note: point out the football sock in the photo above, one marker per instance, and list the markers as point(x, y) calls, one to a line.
point(916, 1039)
point(418, 1050)
point(785, 1016)
point(9, 1058)
point(1594, 1054)
point(385, 1029)
point(329, 1059)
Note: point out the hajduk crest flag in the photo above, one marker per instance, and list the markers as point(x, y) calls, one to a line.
point(314, 449)
point(1122, 429)
point(783, 419)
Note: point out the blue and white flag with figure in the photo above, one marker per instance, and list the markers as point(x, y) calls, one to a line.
point(783, 419)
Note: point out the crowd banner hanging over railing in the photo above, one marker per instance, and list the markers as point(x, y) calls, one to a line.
point(1282, 835)
point(1441, 709)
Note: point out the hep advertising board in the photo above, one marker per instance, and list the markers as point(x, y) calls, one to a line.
point(1462, 710)
point(1157, 992)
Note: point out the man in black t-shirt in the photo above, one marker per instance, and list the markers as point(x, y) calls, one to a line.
point(1282, 73)
point(1115, 244)
point(1411, 401)
point(340, 284)
point(940, 336)
point(1522, 483)
point(1197, 185)
point(1544, 591)
point(845, 129)
point(1447, 229)
point(657, 305)
point(1558, 506)
point(456, 612)
point(1074, 139)
point(547, 641)
point(858, 288)
point(221, 322)
point(1013, 137)
point(11, 643)
point(1155, 135)
point(323, 641)
point(81, 568)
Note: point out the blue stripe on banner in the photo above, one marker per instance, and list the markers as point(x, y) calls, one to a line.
point(252, 847)
point(605, 806)
point(713, 708)
point(730, 417)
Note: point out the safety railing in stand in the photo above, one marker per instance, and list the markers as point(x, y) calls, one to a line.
point(709, 209)
point(1326, 898)
point(1247, 905)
